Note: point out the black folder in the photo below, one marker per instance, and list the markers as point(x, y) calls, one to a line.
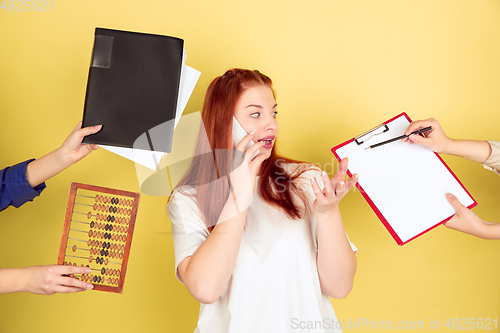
point(132, 87)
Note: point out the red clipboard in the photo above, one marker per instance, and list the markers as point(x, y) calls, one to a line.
point(400, 230)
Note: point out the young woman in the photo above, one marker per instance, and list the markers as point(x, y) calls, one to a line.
point(259, 241)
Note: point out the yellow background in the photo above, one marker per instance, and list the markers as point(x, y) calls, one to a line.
point(340, 67)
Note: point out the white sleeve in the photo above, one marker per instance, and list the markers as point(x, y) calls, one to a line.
point(316, 173)
point(188, 230)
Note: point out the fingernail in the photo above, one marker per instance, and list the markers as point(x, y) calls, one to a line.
point(324, 174)
point(252, 133)
point(88, 270)
point(312, 179)
point(412, 137)
point(356, 176)
point(90, 286)
point(341, 183)
point(449, 195)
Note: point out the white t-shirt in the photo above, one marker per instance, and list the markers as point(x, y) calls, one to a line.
point(275, 285)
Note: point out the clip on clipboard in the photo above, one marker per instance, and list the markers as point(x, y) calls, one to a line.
point(404, 184)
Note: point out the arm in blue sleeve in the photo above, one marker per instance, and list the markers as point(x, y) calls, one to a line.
point(14, 188)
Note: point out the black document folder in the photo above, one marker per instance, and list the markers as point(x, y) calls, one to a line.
point(132, 87)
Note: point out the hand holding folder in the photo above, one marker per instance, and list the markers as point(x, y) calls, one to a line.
point(137, 88)
point(390, 175)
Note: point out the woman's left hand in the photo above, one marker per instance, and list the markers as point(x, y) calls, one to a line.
point(335, 189)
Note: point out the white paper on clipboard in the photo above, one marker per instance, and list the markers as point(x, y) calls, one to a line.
point(406, 183)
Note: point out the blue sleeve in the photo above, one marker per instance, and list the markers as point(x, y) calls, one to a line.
point(14, 187)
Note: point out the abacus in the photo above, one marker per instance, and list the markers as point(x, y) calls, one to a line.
point(97, 233)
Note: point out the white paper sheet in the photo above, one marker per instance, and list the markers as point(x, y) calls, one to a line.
point(150, 159)
point(406, 182)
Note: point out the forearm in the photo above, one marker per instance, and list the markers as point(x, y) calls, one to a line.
point(336, 261)
point(46, 167)
point(477, 151)
point(13, 280)
point(483, 229)
point(211, 266)
point(492, 230)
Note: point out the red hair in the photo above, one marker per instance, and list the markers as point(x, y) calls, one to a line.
point(210, 168)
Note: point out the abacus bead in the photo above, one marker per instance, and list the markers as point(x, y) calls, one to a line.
point(103, 270)
point(74, 248)
point(90, 259)
point(121, 255)
point(90, 233)
point(89, 215)
point(97, 197)
point(106, 261)
point(95, 206)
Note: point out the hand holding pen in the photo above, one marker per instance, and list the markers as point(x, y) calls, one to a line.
point(435, 138)
point(400, 137)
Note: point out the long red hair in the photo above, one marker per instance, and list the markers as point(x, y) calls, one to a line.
point(211, 168)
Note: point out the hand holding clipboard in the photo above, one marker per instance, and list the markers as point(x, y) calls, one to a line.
point(409, 167)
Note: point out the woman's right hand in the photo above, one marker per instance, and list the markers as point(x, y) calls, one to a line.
point(435, 139)
point(243, 177)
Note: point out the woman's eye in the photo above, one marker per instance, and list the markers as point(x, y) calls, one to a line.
point(255, 115)
point(275, 113)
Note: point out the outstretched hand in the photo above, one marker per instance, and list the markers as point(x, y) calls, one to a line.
point(465, 220)
point(73, 149)
point(48, 280)
point(335, 189)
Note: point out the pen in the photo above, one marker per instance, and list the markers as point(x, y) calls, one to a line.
point(400, 137)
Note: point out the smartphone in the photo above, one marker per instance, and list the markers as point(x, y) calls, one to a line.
point(238, 135)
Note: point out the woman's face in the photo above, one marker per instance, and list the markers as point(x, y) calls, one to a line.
point(256, 112)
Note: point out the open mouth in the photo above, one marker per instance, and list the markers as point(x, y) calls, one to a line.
point(266, 141)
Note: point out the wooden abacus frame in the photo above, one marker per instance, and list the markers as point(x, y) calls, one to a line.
point(131, 224)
